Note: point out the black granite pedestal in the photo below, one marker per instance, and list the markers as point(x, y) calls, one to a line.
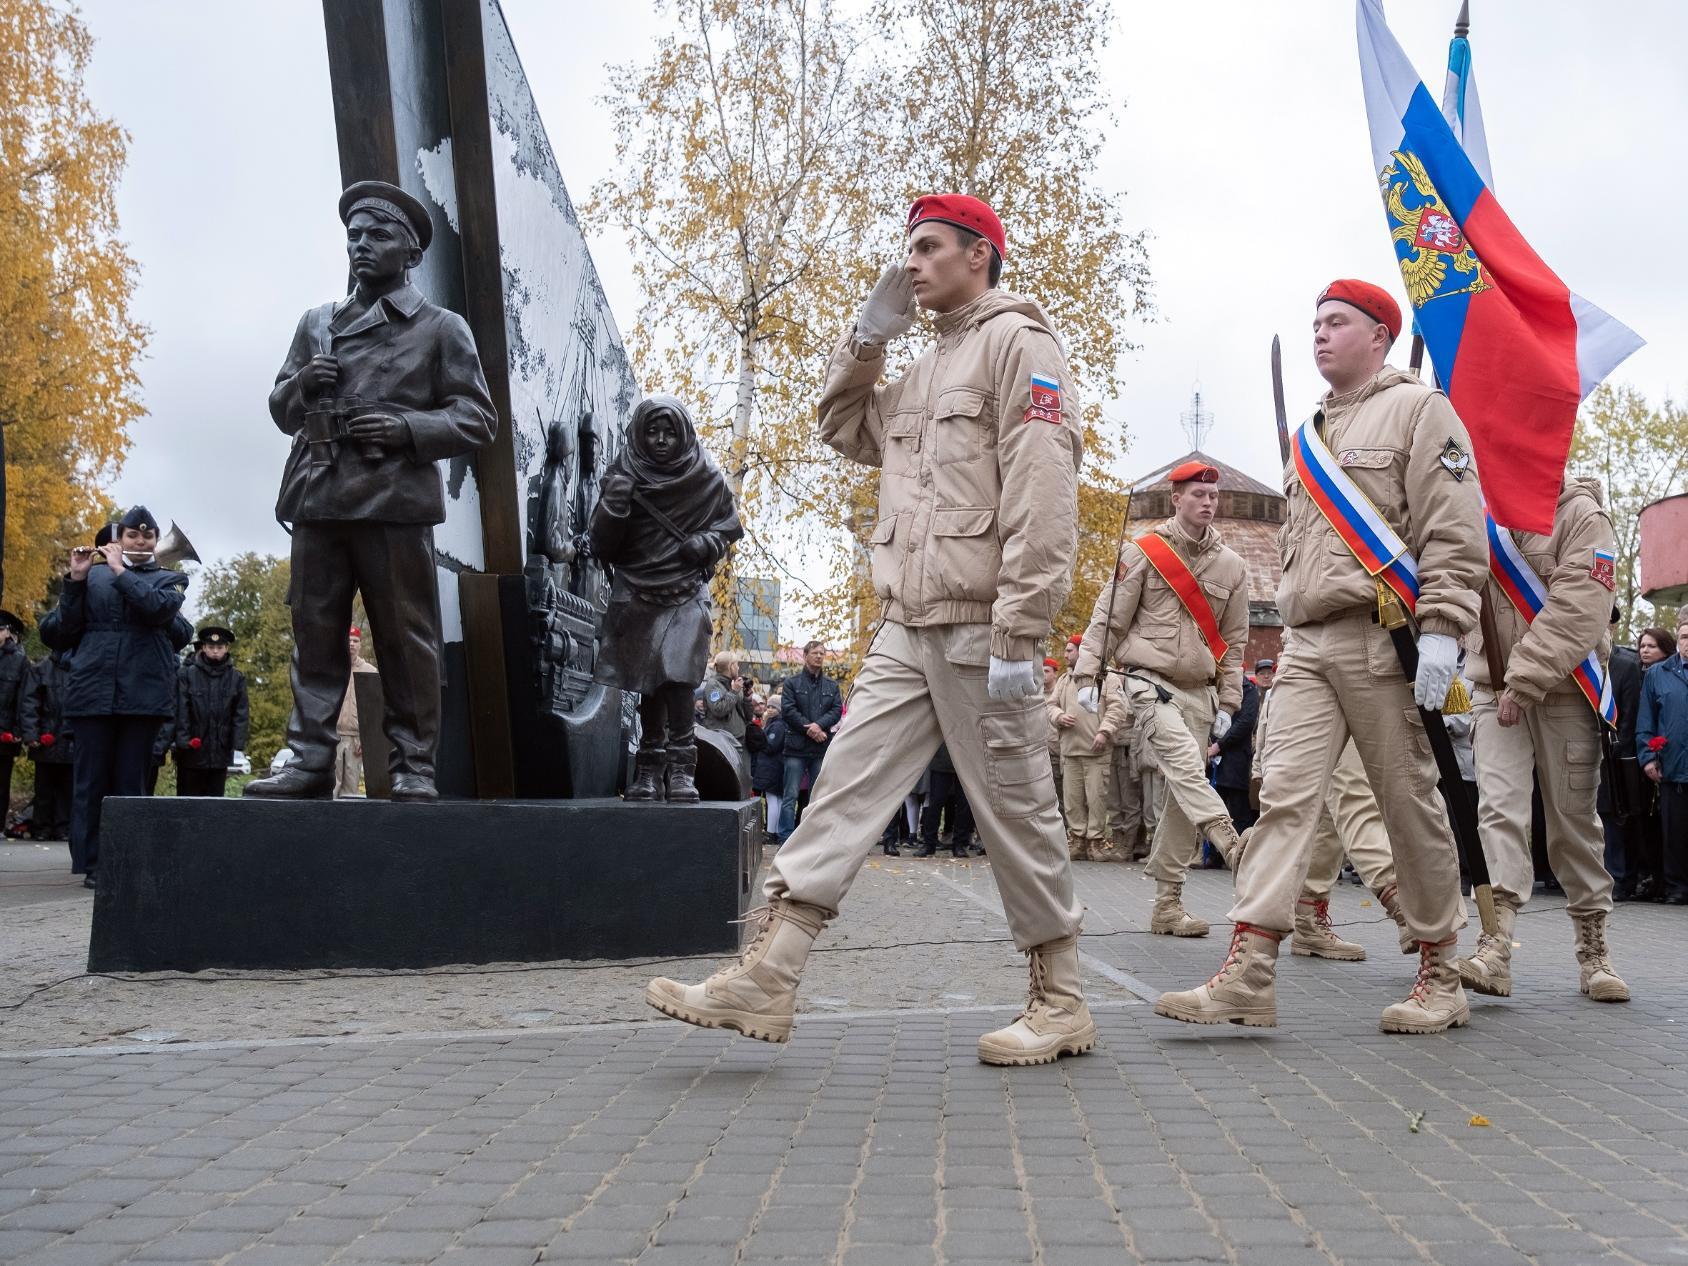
point(186, 884)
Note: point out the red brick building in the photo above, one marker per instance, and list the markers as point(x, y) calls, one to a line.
point(1250, 514)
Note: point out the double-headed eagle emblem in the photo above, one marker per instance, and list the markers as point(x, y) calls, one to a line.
point(1432, 236)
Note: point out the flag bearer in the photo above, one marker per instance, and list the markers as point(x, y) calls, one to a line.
point(1381, 485)
point(1176, 620)
point(978, 446)
point(1552, 599)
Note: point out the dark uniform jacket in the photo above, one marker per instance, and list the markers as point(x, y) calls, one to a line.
point(1236, 749)
point(14, 668)
point(122, 631)
point(211, 707)
point(805, 699)
point(404, 356)
point(767, 765)
point(43, 711)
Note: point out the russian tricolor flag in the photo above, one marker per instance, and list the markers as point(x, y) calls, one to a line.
point(1514, 348)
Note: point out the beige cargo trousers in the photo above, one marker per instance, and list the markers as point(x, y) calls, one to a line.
point(1340, 679)
point(1174, 734)
point(920, 686)
point(1559, 741)
point(1350, 825)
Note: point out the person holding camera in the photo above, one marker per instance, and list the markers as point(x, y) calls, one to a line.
point(119, 615)
point(726, 699)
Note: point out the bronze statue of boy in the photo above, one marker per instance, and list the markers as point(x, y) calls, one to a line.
point(376, 389)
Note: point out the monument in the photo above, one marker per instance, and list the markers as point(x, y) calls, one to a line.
point(527, 855)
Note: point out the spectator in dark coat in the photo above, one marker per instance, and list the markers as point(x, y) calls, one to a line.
point(212, 716)
point(943, 792)
point(812, 705)
point(51, 744)
point(122, 624)
point(1624, 796)
point(14, 668)
point(1661, 745)
point(767, 765)
point(1235, 754)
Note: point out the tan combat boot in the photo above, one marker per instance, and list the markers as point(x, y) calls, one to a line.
point(1076, 847)
point(1489, 969)
point(1222, 834)
point(1436, 1003)
point(1242, 992)
point(1390, 900)
point(1170, 918)
point(1103, 849)
point(757, 995)
point(1314, 937)
point(1599, 981)
point(1055, 1022)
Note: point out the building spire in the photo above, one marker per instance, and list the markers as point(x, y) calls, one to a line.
point(1197, 421)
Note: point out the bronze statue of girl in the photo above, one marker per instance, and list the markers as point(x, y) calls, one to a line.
point(664, 520)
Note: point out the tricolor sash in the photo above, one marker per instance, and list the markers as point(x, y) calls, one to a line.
point(1519, 582)
point(1177, 574)
point(1376, 545)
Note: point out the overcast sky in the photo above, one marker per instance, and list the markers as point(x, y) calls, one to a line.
point(1242, 147)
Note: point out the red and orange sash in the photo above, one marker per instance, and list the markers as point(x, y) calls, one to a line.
point(1177, 574)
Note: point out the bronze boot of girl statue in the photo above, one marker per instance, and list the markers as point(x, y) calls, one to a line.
point(664, 521)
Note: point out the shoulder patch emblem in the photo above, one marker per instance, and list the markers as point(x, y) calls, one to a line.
point(1045, 403)
point(1455, 460)
point(1605, 568)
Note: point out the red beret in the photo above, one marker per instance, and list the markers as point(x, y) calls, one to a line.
point(1049, 663)
point(356, 632)
point(1077, 639)
point(964, 212)
point(1194, 473)
point(1374, 301)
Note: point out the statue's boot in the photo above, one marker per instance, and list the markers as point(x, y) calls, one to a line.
point(1489, 968)
point(416, 788)
point(293, 783)
point(1599, 981)
point(1169, 917)
point(682, 773)
point(1390, 900)
point(647, 773)
point(756, 996)
point(1315, 938)
point(1243, 991)
point(1055, 1021)
point(1436, 1003)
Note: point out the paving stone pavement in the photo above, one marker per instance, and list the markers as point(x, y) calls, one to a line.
point(876, 1138)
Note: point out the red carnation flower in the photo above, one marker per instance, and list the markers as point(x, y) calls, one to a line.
point(195, 743)
point(6, 736)
point(1656, 743)
point(47, 740)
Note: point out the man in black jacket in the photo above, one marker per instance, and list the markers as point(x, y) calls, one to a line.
point(811, 705)
point(14, 667)
point(1623, 792)
point(211, 715)
point(1234, 750)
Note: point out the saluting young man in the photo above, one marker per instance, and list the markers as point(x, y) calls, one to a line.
point(978, 446)
point(1552, 599)
point(1175, 619)
point(1381, 492)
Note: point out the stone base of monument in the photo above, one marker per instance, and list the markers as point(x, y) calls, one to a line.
point(187, 884)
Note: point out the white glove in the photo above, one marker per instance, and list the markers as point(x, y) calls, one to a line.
point(889, 310)
point(1088, 699)
point(1012, 679)
point(1221, 724)
point(1438, 655)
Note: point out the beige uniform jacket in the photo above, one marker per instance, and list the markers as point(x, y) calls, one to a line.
point(978, 499)
point(1151, 628)
point(1077, 738)
point(347, 727)
point(1540, 657)
point(1406, 448)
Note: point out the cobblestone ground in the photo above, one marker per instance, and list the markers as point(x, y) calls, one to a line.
point(875, 1137)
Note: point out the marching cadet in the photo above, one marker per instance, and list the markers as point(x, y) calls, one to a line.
point(14, 669)
point(1552, 598)
point(1175, 618)
point(1087, 752)
point(978, 446)
point(1380, 492)
point(211, 715)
